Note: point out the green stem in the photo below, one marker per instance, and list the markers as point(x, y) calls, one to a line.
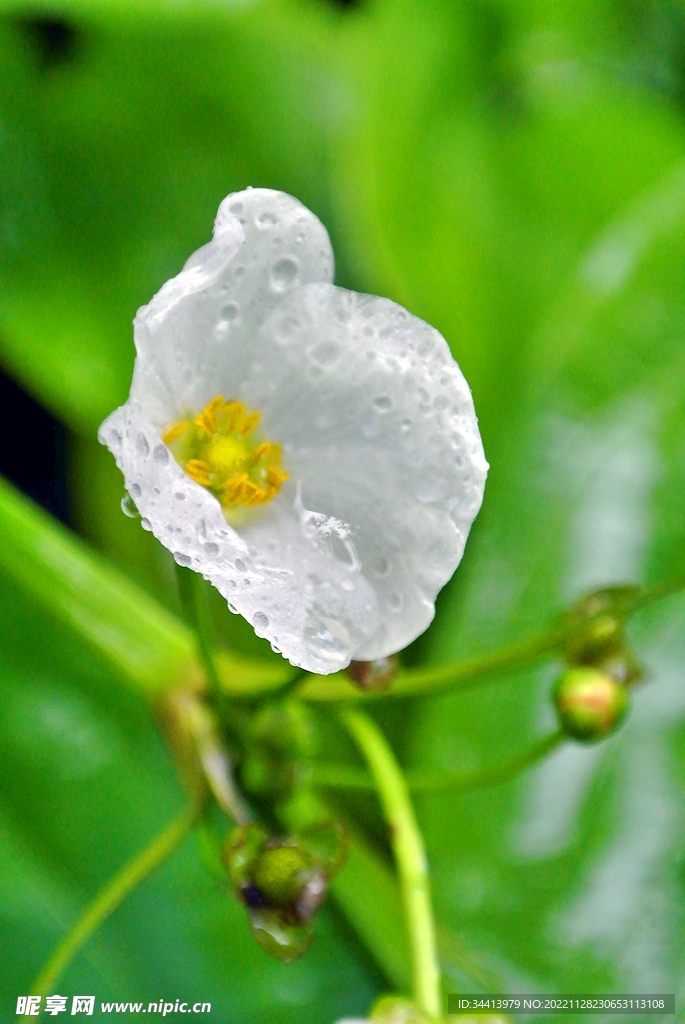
point(342, 776)
point(422, 782)
point(472, 671)
point(188, 581)
point(114, 892)
point(410, 856)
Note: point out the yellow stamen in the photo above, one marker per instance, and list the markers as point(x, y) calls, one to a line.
point(207, 420)
point(174, 431)
point(198, 471)
point(251, 421)
point(216, 450)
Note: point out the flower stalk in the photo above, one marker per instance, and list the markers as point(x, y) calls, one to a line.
point(410, 856)
point(110, 897)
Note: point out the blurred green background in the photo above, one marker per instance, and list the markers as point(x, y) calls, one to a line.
point(513, 171)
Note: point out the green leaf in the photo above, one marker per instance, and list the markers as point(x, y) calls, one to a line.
point(91, 599)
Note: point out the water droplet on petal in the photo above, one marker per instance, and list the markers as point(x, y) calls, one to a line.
point(284, 272)
point(240, 565)
point(146, 524)
point(381, 567)
point(285, 329)
point(182, 558)
point(326, 353)
point(212, 549)
point(260, 620)
point(161, 454)
point(128, 506)
point(136, 491)
point(230, 311)
point(431, 487)
point(322, 642)
point(265, 221)
point(395, 602)
point(142, 445)
point(382, 403)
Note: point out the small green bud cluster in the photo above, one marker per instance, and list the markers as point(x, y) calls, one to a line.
point(279, 736)
point(283, 881)
point(591, 696)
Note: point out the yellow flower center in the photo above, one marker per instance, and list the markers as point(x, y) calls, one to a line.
point(218, 450)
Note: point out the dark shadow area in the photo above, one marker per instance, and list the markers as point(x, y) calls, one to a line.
point(33, 454)
point(55, 40)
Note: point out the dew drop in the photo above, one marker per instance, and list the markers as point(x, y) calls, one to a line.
point(142, 445)
point(284, 272)
point(182, 558)
point(326, 353)
point(382, 403)
point(136, 491)
point(160, 454)
point(285, 329)
point(128, 506)
point(240, 565)
point(405, 425)
point(347, 585)
point(265, 221)
point(237, 208)
point(381, 567)
point(230, 311)
point(180, 496)
point(322, 642)
point(212, 549)
point(260, 620)
point(430, 487)
point(239, 271)
point(395, 602)
point(146, 524)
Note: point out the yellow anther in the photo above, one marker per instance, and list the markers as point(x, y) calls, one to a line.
point(275, 477)
point(207, 420)
point(233, 490)
point(216, 451)
point(198, 471)
point(268, 450)
point(174, 431)
point(251, 421)
point(235, 416)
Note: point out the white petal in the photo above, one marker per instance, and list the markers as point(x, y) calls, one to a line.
point(194, 337)
point(378, 431)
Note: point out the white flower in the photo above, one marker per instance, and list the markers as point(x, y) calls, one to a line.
point(346, 509)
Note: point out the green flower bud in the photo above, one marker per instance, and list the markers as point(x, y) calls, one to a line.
point(279, 937)
point(623, 667)
point(590, 704)
point(286, 726)
point(280, 874)
point(241, 852)
point(599, 617)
